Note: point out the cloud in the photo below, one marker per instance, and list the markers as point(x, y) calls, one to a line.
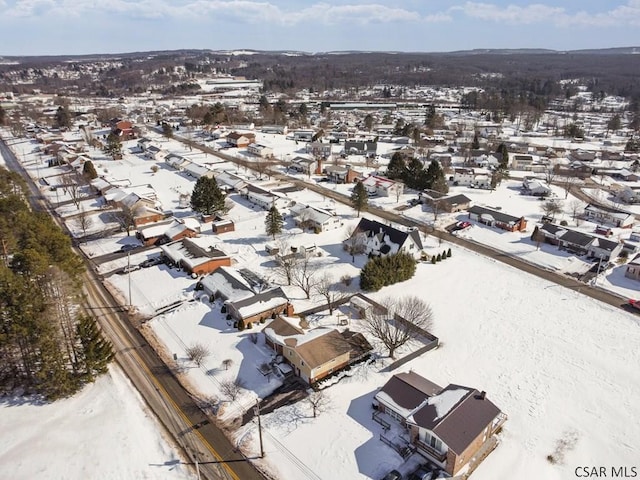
point(626, 14)
point(241, 11)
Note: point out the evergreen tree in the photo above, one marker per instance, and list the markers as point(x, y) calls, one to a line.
point(475, 144)
point(359, 197)
point(89, 170)
point(435, 178)
point(113, 148)
point(504, 160)
point(96, 352)
point(62, 117)
point(415, 175)
point(397, 168)
point(167, 131)
point(273, 222)
point(449, 253)
point(207, 198)
point(382, 271)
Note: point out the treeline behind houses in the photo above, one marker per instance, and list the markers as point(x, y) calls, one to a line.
point(48, 346)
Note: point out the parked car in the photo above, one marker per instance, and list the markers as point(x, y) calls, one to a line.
point(128, 247)
point(129, 269)
point(150, 262)
point(393, 475)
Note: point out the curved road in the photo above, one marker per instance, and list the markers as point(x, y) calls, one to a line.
point(212, 454)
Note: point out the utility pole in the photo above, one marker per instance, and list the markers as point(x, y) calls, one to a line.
point(259, 428)
point(129, 277)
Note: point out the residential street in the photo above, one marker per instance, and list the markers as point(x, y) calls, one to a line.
point(193, 432)
point(561, 280)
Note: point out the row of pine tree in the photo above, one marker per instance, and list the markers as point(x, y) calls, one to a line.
point(48, 346)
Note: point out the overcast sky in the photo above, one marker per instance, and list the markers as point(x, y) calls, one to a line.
point(50, 27)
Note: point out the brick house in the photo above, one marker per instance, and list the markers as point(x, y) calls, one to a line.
point(495, 218)
point(165, 232)
point(195, 257)
point(449, 426)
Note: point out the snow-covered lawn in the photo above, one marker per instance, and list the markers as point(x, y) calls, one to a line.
point(559, 364)
point(105, 431)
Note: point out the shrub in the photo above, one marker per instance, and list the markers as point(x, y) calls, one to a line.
point(444, 254)
point(262, 320)
point(433, 260)
point(346, 280)
point(438, 258)
point(224, 309)
point(449, 253)
point(564, 223)
point(154, 168)
point(228, 316)
point(241, 325)
point(250, 325)
point(382, 271)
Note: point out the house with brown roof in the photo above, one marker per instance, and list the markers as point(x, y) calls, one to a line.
point(451, 427)
point(496, 218)
point(240, 140)
point(259, 306)
point(316, 353)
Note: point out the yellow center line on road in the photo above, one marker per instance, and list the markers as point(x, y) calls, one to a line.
point(184, 417)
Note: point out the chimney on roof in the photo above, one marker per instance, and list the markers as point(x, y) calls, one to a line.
point(482, 395)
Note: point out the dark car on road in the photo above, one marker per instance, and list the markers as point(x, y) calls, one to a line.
point(128, 247)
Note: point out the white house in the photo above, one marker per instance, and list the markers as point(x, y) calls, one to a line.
point(379, 239)
point(265, 198)
point(382, 186)
point(260, 150)
point(317, 219)
point(608, 215)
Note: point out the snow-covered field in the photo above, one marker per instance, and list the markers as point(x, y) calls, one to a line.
point(560, 365)
point(105, 431)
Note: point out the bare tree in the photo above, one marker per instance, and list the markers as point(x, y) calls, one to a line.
point(286, 263)
point(354, 243)
point(331, 291)
point(318, 401)
point(231, 388)
point(575, 206)
point(83, 221)
point(400, 320)
point(549, 174)
point(71, 186)
point(126, 218)
point(552, 208)
point(568, 181)
point(304, 274)
point(226, 363)
point(197, 353)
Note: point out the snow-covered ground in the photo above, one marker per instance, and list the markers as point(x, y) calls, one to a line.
point(561, 365)
point(105, 431)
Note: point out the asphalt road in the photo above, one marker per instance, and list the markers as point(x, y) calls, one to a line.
point(192, 430)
